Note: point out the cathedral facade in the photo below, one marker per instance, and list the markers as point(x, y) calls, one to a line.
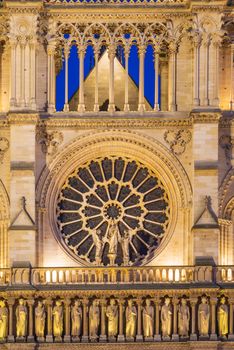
point(116, 193)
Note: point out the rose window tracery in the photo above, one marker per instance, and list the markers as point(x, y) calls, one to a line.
point(113, 210)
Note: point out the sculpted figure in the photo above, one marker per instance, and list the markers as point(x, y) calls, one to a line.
point(204, 317)
point(58, 319)
point(113, 236)
point(183, 318)
point(21, 319)
point(3, 320)
point(40, 316)
point(223, 318)
point(125, 246)
point(99, 243)
point(148, 319)
point(76, 317)
point(94, 320)
point(131, 316)
point(166, 318)
point(112, 315)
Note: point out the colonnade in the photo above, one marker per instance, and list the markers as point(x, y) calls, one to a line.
point(116, 319)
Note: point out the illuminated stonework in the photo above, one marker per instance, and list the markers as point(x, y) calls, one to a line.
point(113, 189)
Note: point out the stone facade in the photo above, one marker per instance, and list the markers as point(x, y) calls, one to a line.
point(164, 173)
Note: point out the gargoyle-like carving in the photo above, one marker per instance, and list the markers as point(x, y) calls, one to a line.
point(227, 143)
point(4, 146)
point(49, 141)
point(177, 140)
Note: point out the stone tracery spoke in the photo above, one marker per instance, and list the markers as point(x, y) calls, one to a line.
point(112, 189)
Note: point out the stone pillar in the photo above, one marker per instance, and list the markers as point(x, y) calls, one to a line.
point(49, 335)
point(141, 103)
point(22, 73)
point(232, 79)
point(81, 54)
point(13, 45)
point(32, 76)
point(216, 65)
point(121, 337)
point(51, 77)
point(206, 46)
point(10, 338)
point(230, 334)
point(172, 76)
point(67, 336)
point(197, 44)
point(111, 55)
point(103, 337)
point(175, 336)
point(193, 303)
point(164, 83)
point(126, 102)
point(96, 57)
point(213, 335)
point(157, 335)
point(139, 336)
point(30, 337)
point(156, 70)
point(85, 336)
point(66, 57)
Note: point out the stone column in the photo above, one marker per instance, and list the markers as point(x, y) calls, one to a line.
point(193, 303)
point(157, 335)
point(85, 336)
point(66, 57)
point(103, 337)
point(175, 336)
point(96, 57)
point(81, 54)
point(67, 336)
point(139, 336)
point(206, 46)
point(13, 45)
point(49, 335)
point(230, 334)
point(126, 102)
point(111, 55)
point(121, 336)
point(32, 47)
point(30, 337)
point(213, 335)
point(51, 78)
point(11, 338)
point(172, 76)
point(216, 65)
point(197, 44)
point(141, 102)
point(231, 79)
point(156, 69)
point(22, 73)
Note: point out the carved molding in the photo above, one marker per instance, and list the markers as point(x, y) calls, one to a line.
point(23, 118)
point(177, 140)
point(49, 140)
point(4, 146)
point(206, 118)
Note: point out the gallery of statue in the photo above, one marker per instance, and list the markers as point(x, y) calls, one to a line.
point(116, 174)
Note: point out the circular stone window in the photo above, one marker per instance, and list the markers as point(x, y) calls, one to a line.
point(113, 211)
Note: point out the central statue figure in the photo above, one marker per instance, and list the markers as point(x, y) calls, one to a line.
point(113, 237)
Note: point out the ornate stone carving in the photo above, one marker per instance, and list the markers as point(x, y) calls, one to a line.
point(58, 320)
point(166, 319)
point(223, 317)
point(40, 317)
point(204, 317)
point(4, 146)
point(3, 320)
point(21, 319)
point(227, 143)
point(178, 140)
point(49, 140)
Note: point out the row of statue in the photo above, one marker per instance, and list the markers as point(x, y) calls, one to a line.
point(112, 317)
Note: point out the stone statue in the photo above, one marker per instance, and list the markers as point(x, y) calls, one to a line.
point(21, 319)
point(183, 318)
point(99, 243)
point(148, 319)
point(131, 316)
point(40, 316)
point(113, 237)
point(125, 246)
point(94, 320)
point(166, 318)
point(223, 318)
point(3, 320)
point(203, 317)
point(112, 315)
point(76, 318)
point(58, 319)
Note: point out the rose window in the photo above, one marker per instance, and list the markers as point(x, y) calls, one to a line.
point(113, 211)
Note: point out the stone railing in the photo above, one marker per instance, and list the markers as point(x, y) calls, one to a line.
point(106, 275)
point(115, 2)
point(225, 274)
